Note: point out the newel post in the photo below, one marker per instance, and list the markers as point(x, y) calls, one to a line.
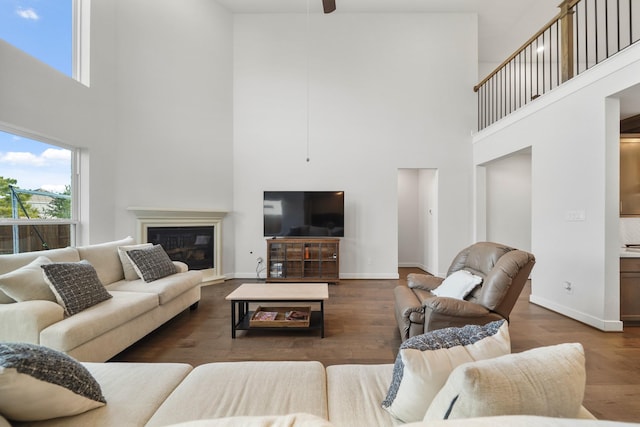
point(566, 39)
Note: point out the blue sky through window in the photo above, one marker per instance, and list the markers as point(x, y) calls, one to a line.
point(43, 29)
point(35, 165)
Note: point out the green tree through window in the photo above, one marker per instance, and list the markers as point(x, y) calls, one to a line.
point(59, 207)
point(6, 205)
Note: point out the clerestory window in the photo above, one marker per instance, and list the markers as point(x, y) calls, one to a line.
point(55, 31)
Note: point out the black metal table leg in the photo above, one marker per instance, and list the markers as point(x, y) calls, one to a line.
point(233, 319)
point(322, 319)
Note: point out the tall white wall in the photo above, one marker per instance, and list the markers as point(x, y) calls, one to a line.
point(155, 124)
point(574, 135)
point(174, 71)
point(44, 104)
point(386, 91)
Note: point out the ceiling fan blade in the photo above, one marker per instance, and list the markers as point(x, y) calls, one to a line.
point(329, 5)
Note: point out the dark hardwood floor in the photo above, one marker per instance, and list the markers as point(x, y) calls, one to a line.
point(360, 328)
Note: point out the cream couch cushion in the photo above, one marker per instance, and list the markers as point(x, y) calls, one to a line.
point(73, 331)
point(166, 288)
point(521, 421)
point(133, 392)
point(229, 389)
point(104, 258)
point(289, 420)
point(354, 394)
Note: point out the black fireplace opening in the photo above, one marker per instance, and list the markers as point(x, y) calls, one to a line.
point(192, 245)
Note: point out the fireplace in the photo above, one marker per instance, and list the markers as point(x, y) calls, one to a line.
point(192, 237)
point(192, 245)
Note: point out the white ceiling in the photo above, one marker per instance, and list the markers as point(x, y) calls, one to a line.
point(503, 25)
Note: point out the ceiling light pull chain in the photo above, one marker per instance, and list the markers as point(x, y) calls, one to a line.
point(307, 71)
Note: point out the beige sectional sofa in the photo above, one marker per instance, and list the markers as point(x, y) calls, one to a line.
point(300, 393)
point(101, 331)
point(457, 376)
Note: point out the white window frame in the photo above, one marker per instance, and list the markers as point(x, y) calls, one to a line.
point(73, 222)
point(81, 36)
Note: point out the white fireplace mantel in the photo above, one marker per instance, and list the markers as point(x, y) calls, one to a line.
point(142, 212)
point(163, 217)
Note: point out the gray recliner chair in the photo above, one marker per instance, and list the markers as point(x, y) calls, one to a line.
point(504, 272)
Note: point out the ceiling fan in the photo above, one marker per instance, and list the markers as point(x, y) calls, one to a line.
point(329, 5)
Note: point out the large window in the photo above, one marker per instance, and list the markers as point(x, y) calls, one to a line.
point(37, 204)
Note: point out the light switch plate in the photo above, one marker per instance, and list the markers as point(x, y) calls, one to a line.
point(575, 215)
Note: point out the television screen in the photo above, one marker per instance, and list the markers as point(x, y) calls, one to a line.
point(303, 213)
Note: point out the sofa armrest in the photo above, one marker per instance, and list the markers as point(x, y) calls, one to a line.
point(23, 321)
point(423, 281)
point(455, 307)
point(181, 266)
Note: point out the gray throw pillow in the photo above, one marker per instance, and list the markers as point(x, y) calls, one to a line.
point(75, 285)
point(38, 383)
point(152, 263)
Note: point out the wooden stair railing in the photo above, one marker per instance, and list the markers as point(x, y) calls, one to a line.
point(581, 35)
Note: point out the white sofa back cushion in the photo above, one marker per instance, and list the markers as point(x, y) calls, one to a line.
point(129, 271)
point(105, 259)
point(15, 261)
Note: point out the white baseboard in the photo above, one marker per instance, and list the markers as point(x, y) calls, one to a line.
point(602, 324)
point(369, 276)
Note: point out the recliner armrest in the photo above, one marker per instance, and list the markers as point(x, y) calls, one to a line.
point(423, 281)
point(455, 307)
point(406, 302)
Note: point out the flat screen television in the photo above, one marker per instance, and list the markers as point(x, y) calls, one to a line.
point(303, 213)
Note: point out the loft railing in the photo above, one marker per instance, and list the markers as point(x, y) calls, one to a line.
point(583, 34)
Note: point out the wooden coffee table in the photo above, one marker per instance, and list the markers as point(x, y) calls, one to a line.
point(280, 293)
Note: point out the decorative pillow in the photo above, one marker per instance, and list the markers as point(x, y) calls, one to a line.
point(457, 285)
point(152, 263)
point(38, 383)
point(129, 271)
point(546, 381)
point(75, 285)
point(27, 283)
point(424, 363)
